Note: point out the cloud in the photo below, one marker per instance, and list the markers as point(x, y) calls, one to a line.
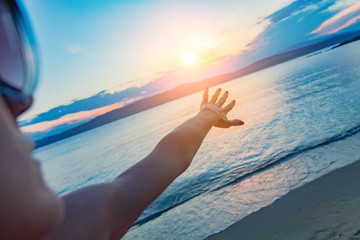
point(343, 19)
point(99, 100)
point(74, 49)
point(340, 4)
point(74, 118)
point(289, 26)
point(291, 10)
point(347, 24)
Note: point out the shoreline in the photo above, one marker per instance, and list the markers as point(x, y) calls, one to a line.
point(326, 208)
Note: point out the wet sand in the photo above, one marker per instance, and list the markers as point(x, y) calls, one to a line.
point(327, 208)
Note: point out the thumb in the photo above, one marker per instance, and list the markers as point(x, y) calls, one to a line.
point(237, 122)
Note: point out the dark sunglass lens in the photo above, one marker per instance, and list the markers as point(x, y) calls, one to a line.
point(12, 68)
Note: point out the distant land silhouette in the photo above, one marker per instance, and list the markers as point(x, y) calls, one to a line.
point(189, 88)
point(347, 42)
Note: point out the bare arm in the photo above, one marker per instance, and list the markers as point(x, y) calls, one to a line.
point(107, 211)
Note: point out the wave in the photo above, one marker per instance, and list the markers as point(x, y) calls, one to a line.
point(216, 180)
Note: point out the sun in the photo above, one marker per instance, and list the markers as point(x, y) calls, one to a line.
point(190, 58)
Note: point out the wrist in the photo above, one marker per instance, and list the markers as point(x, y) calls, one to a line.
point(209, 115)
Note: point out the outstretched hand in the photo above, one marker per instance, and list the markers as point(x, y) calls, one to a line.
point(216, 106)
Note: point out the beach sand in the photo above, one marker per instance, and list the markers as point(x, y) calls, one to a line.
point(327, 208)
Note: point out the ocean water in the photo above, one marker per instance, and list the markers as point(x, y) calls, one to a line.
point(302, 120)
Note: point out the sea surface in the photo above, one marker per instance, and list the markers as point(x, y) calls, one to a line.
point(302, 120)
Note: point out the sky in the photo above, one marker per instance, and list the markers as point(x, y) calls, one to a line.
point(96, 55)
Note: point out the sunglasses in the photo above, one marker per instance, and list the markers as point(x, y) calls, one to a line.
point(18, 56)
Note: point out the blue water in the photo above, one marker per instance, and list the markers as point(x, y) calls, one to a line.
point(302, 120)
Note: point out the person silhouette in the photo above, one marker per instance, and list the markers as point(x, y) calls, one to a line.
point(29, 208)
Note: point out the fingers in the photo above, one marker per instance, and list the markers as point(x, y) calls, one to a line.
point(223, 99)
point(206, 95)
point(229, 106)
point(215, 96)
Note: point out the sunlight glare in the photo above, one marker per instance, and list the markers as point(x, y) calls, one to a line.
point(190, 58)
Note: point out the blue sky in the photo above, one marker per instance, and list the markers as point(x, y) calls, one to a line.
point(99, 55)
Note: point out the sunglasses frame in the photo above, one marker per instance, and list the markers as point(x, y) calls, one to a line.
point(29, 54)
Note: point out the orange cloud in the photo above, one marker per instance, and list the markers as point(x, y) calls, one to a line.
point(332, 24)
point(75, 117)
point(348, 23)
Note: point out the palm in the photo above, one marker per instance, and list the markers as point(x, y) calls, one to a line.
point(216, 106)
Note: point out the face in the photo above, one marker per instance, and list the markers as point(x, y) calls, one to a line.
point(23, 184)
point(20, 173)
point(16, 107)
